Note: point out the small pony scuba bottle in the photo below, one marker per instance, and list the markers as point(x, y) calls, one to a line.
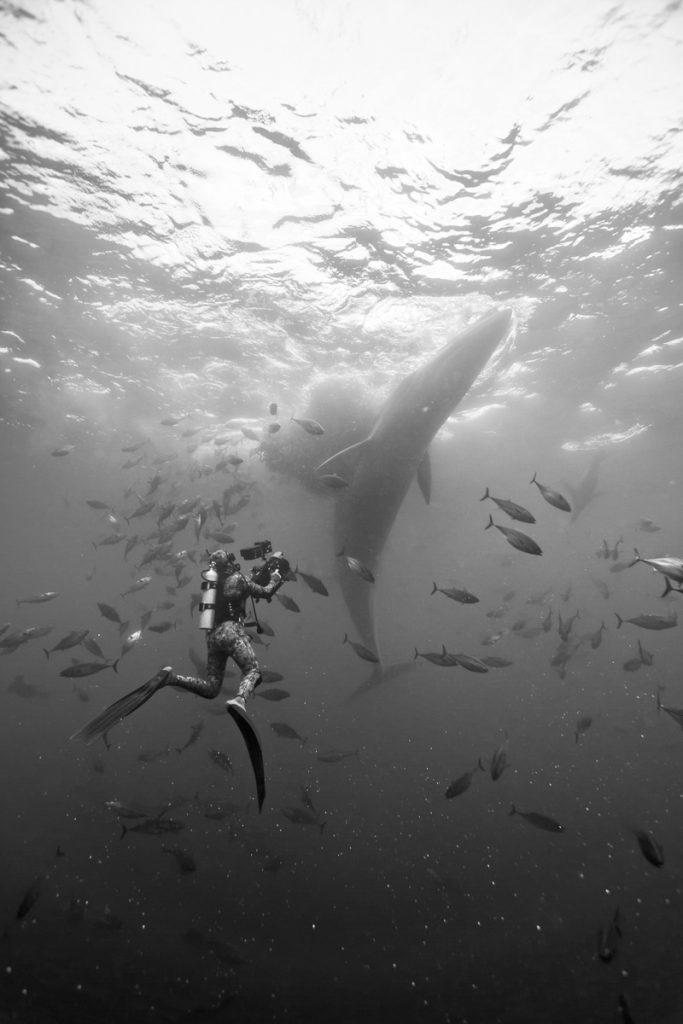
point(207, 600)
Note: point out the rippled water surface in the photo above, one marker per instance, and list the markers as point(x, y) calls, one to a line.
point(206, 210)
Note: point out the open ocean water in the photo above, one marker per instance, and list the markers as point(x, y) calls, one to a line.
point(217, 219)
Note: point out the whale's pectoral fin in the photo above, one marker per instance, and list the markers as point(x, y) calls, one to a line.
point(424, 476)
point(352, 451)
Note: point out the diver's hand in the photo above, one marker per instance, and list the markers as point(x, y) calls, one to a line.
point(276, 577)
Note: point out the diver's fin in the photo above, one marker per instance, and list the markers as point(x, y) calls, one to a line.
point(354, 449)
point(120, 709)
point(424, 476)
point(253, 742)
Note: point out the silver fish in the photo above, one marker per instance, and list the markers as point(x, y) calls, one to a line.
point(49, 595)
point(516, 538)
point(356, 566)
point(517, 512)
point(461, 784)
point(608, 938)
point(462, 596)
point(541, 821)
point(363, 652)
point(667, 565)
point(553, 498)
point(298, 816)
point(87, 668)
point(310, 426)
point(649, 621)
point(72, 639)
point(651, 850)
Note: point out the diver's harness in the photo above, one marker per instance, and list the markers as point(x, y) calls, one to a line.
point(259, 574)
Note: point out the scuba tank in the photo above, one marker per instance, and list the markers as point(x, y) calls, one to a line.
point(207, 600)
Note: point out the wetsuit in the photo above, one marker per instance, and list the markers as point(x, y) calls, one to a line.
point(228, 639)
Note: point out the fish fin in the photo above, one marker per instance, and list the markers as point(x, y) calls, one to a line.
point(620, 621)
point(486, 495)
point(434, 588)
point(424, 476)
point(354, 449)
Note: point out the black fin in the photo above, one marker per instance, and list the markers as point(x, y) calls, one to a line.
point(253, 743)
point(120, 709)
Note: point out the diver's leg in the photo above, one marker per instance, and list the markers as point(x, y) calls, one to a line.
point(123, 707)
point(242, 654)
point(218, 647)
point(216, 660)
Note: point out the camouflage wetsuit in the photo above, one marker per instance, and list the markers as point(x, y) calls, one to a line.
point(228, 638)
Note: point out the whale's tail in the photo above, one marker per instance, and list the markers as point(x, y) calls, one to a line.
point(381, 675)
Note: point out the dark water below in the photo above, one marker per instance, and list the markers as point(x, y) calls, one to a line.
point(197, 221)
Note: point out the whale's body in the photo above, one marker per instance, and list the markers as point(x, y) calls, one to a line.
point(396, 451)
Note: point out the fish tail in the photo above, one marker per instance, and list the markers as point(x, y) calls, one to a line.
point(124, 829)
point(486, 495)
point(490, 523)
point(659, 698)
point(115, 664)
point(482, 766)
point(620, 621)
point(346, 638)
point(667, 585)
point(416, 655)
point(47, 653)
point(533, 479)
point(322, 826)
point(434, 588)
point(513, 810)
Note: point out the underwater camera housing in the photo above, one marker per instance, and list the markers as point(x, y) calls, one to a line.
point(259, 549)
point(261, 573)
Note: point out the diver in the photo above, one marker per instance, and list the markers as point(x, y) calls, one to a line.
point(225, 639)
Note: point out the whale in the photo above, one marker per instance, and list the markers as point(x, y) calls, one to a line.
point(381, 468)
point(586, 491)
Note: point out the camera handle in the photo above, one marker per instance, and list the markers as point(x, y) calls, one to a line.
point(259, 627)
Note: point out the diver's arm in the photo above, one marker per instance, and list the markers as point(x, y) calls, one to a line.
point(256, 590)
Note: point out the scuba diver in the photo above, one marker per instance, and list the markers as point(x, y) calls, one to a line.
point(225, 591)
